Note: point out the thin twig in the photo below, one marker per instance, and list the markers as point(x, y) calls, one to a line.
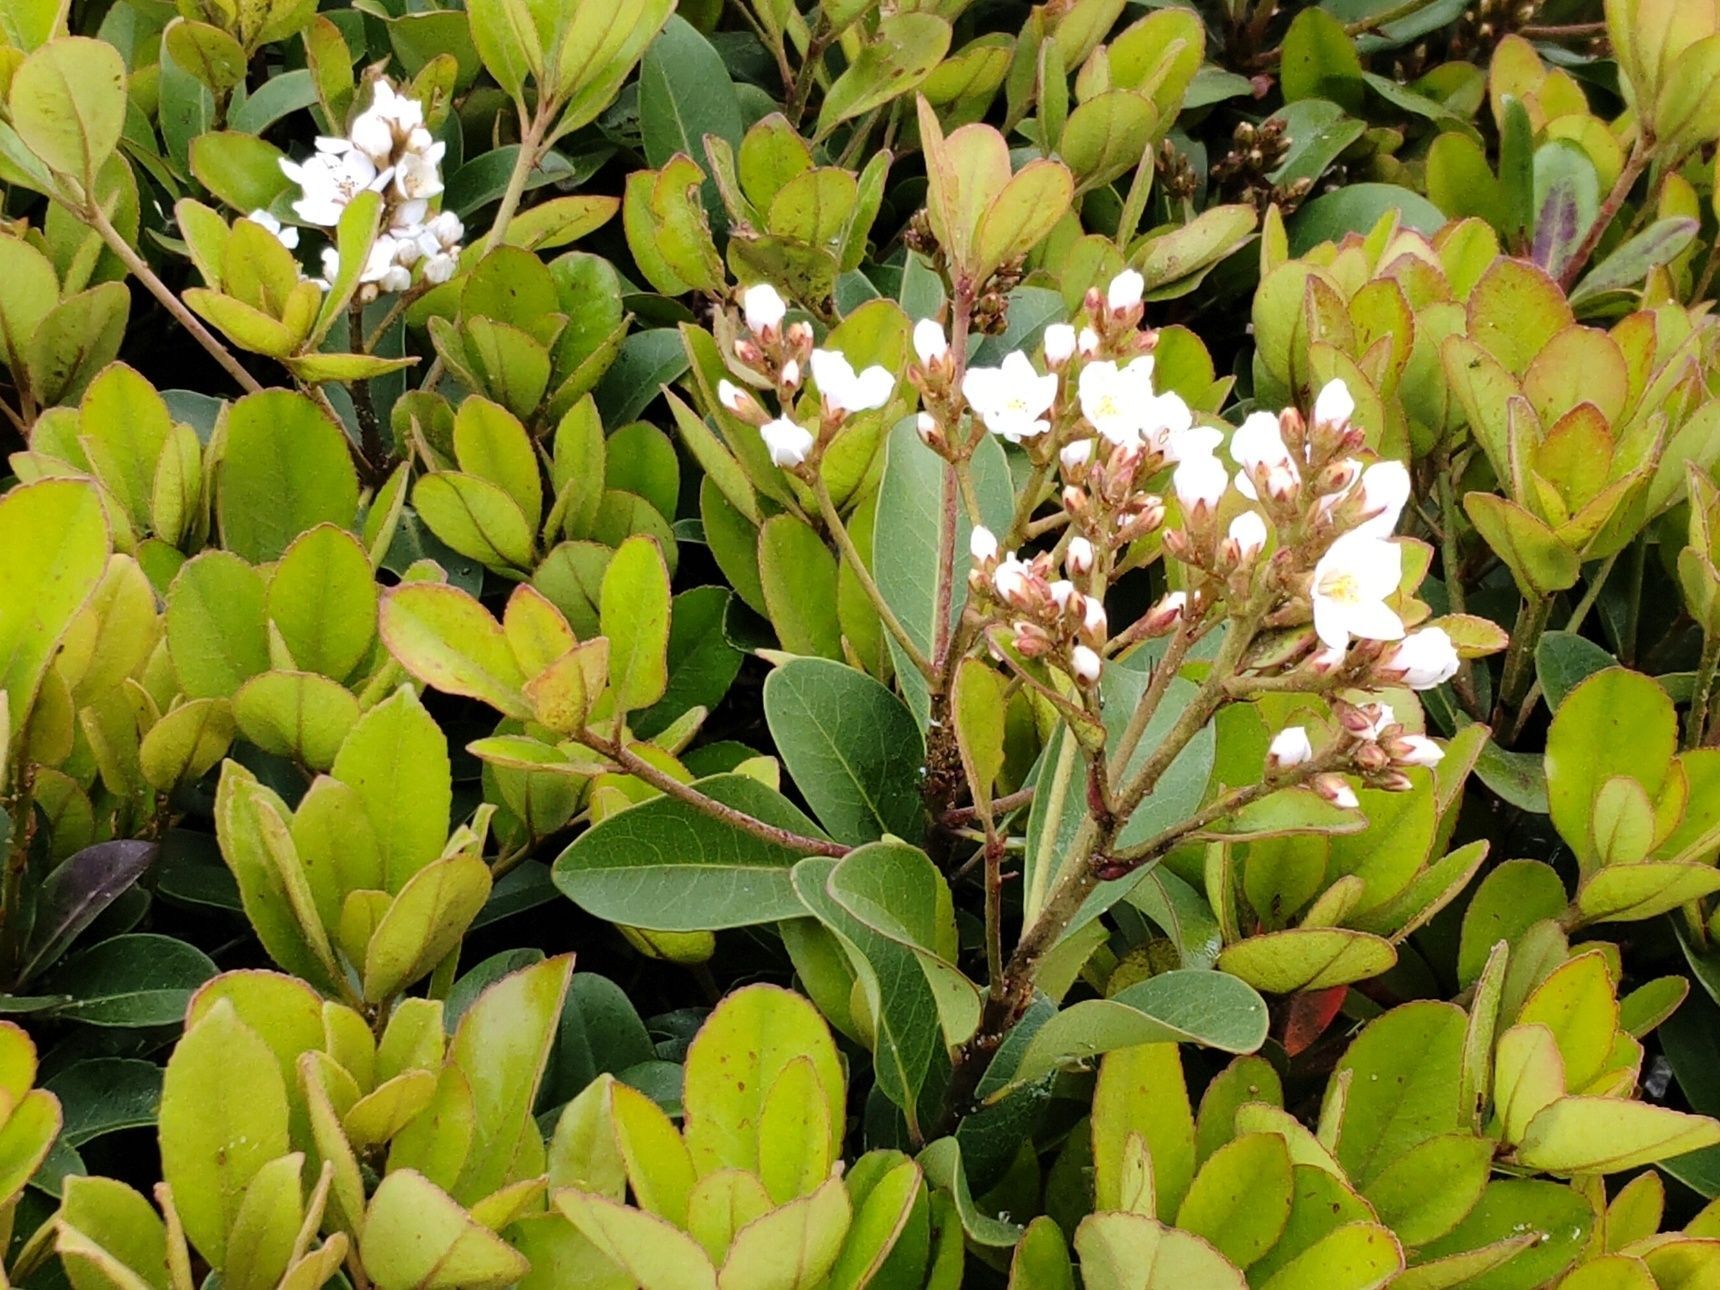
point(1640, 156)
point(639, 768)
point(139, 269)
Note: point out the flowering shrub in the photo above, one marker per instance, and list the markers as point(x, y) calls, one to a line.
point(852, 644)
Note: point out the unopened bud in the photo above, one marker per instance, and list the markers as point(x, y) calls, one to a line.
point(1093, 620)
point(1059, 344)
point(1336, 791)
point(1030, 639)
point(982, 544)
point(1167, 615)
point(926, 425)
point(1085, 663)
point(1074, 499)
point(791, 375)
point(748, 352)
point(1079, 557)
point(1394, 781)
point(1075, 456)
point(1415, 750)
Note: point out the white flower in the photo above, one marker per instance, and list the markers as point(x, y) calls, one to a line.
point(417, 177)
point(1248, 531)
point(390, 117)
point(930, 343)
point(788, 441)
point(763, 308)
point(330, 178)
point(844, 391)
point(1059, 343)
point(286, 235)
point(1425, 658)
point(1011, 577)
point(1087, 342)
point(440, 267)
point(1199, 482)
point(1385, 490)
point(1168, 426)
point(1012, 399)
point(1289, 747)
point(1258, 447)
point(982, 544)
point(1086, 664)
point(1333, 406)
point(1418, 750)
point(1351, 583)
point(1079, 557)
point(1125, 290)
point(1076, 455)
point(1116, 400)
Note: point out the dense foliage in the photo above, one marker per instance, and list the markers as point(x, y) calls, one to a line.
point(897, 643)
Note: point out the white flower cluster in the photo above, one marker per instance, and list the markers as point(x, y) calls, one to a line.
point(388, 150)
point(781, 356)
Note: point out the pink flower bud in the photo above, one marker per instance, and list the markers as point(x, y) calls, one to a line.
point(1085, 663)
point(1078, 558)
point(1336, 791)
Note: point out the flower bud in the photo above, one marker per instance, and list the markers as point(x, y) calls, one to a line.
point(1031, 640)
point(788, 441)
point(799, 335)
point(1012, 580)
point(930, 343)
point(740, 402)
point(1087, 342)
point(1075, 456)
point(1336, 791)
point(1059, 344)
point(1289, 747)
point(1248, 534)
point(926, 426)
point(763, 309)
point(1094, 622)
point(1167, 615)
point(1422, 660)
point(1078, 558)
point(1085, 663)
point(1415, 750)
point(982, 544)
point(1074, 500)
point(791, 374)
point(1334, 406)
point(1061, 591)
point(1125, 291)
point(1394, 781)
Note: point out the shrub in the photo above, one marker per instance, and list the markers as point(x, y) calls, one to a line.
point(1097, 626)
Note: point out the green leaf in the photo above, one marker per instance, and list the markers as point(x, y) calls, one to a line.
point(702, 662)
point(851, 746)
point(1425, 1192)
point(322, 599)
point(1357, 208)
point(749, 1043)
point(449, 641)
point(1402, 1066)
point(667, 866)
point(1615, 723)
point(685, 94)
point(1133, 1252)
point(1509, 899)
point(396, 760)
point(216, 633)
point(890, 908)
point(1181, 1006)
point(502, 1047)
point(1557, 1219)
point(1141, 1095)
point(426, 921)
point(40, 597)
point(910, 501)
point(649, 1250)
point(1307, 958)
point(1606, 1135)
point(416, 1237)
point(223, 1117)
point(1563, 659)
point(301, 715)
point(634, 610)
point(1357, 1256)
point(130, 981)
point(284, 469)
point(900, 54)
point(797, 574)
point(508, 41)
point(67, 103)
point(475, 517)
point(1320, 61)
point(1240, 1199)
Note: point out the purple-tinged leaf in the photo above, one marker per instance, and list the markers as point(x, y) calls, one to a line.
point(76, 893)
